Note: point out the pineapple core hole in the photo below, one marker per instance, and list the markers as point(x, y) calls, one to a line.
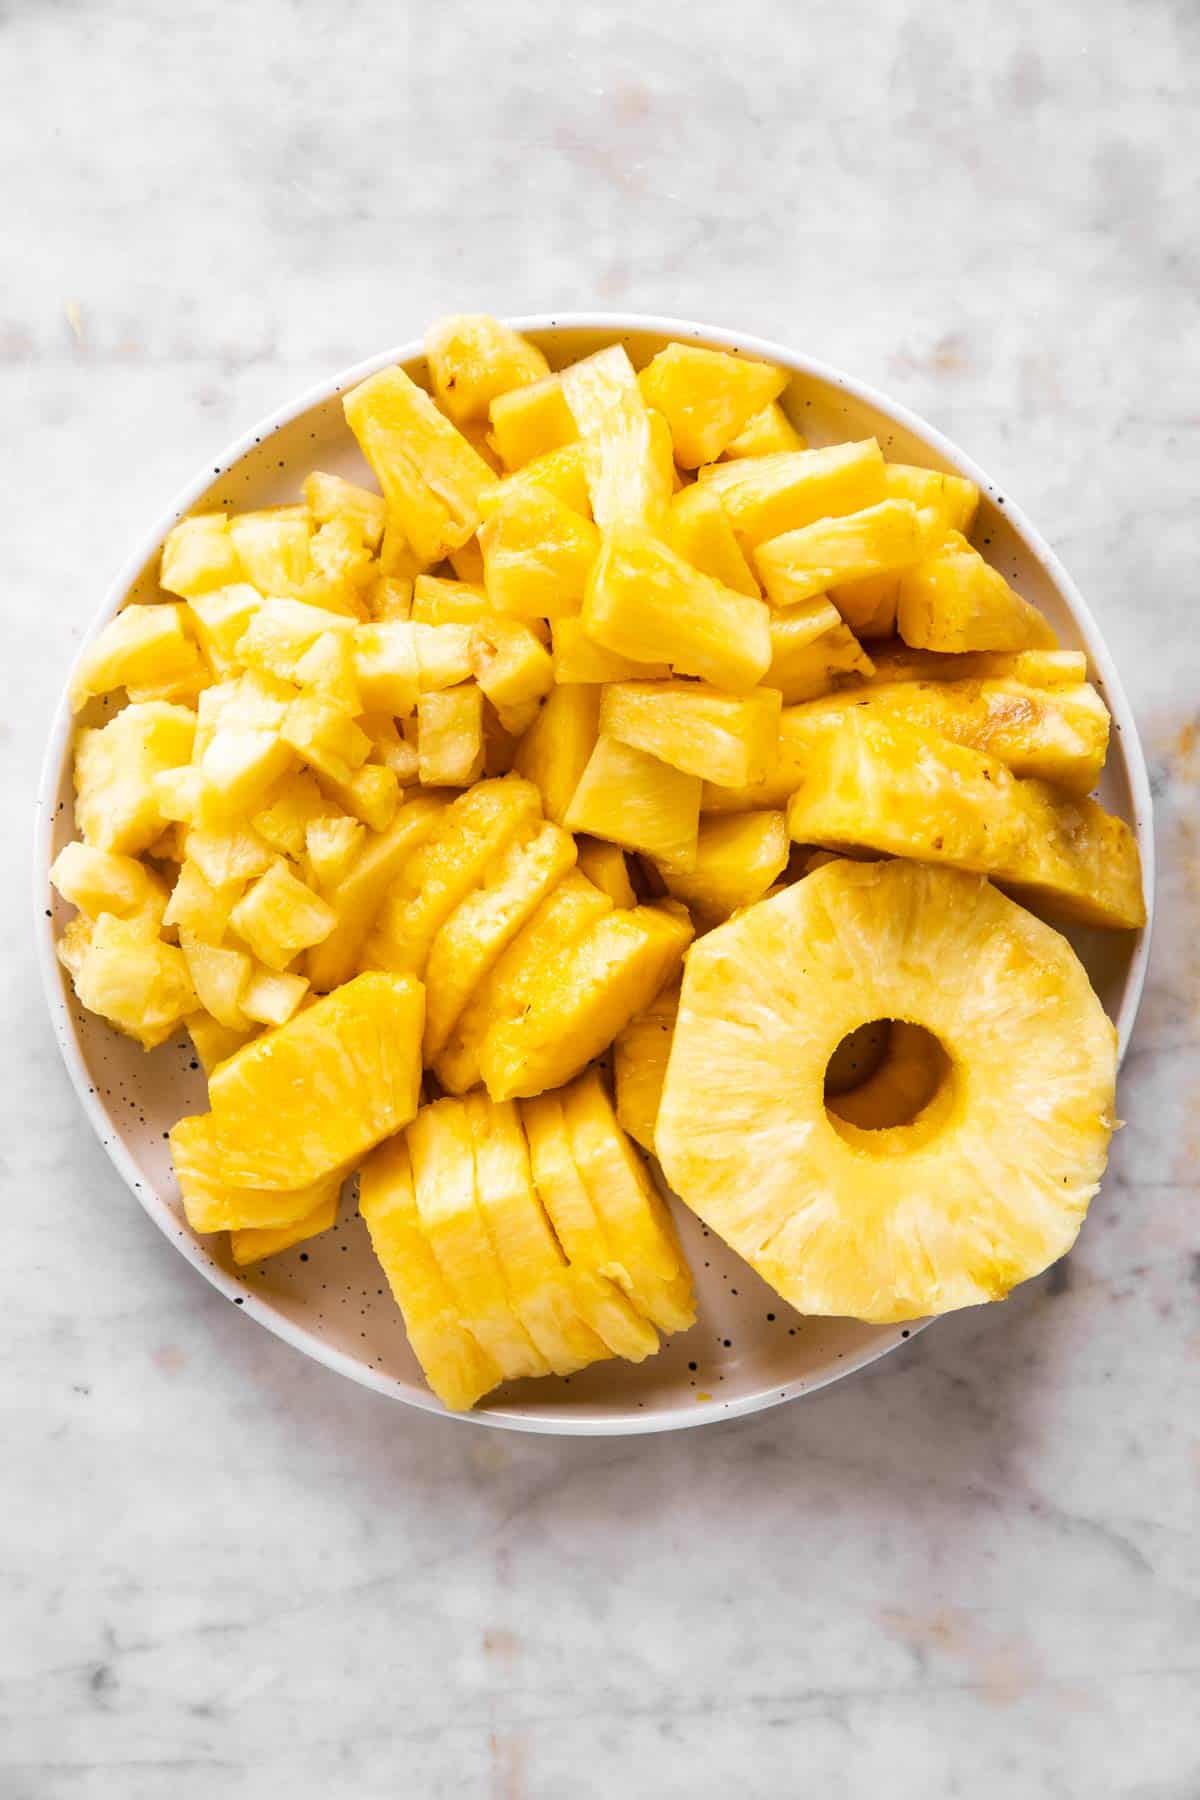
point(883, 1075)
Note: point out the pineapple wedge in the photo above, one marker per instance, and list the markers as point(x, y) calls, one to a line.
point(529, 421)
point(765, 496)
point(220, 619)
point(537, 555)
point(640, 1056)
point(868, 606)
point(605, 865)
point(799, 564)
point(333, 497)
point(766, 434)
point(219, 975)
point(559, 475)
point(212, 1203)
point(274, 549)
point(578, 659)
point(437, 601)
point(707, 397)
point(116, 803)
point(894, 661)
point(281, 631)
point(635, 800)
point(730, 739)
point(626, 446)
point(450, 737)
point(254, 1244)
point(698, 529)
point(474, 358)
point(986, 1188)
point(512, 668)
point(554, 751)
point(953, 498)
point(357, 898)
point(213, 1042)
point(953, 601)
point(142, 646)
point(198, 556)
point(737, 860)
point(813, 651)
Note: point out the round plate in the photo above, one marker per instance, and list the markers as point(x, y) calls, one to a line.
point(748, 1349)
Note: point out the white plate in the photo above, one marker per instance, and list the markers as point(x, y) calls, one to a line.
point(748, 1350)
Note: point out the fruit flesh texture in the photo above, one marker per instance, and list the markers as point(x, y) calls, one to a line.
point(894, 661)
point(953, 601)
point(254, 1243)
point(636, 800)
point(605, 865)
point(766, 434)
point(737, 860)
point(627, 448)
point(766, 496)
point(359, 895)
point(554, 751)
point(698, 529)
point(213, 1203)
point(696, 728)
point(537, 555)
point(813, 651)
point(799, 564)
point(707, 397)
point(640, 1056)
point(473, 359)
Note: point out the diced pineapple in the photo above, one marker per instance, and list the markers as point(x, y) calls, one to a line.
point(198, 556)
point(219, 976)
point(183, 689)
point(586, 994)
point(443, 655)
point(1038, 668)
point(238, 769)
point(954, 601)
point(450, 736)
point(385, 666)
point(802, 563)
point(634, 799)
point(254, 1243)
point(390, 598)
point(343, 570)
point(359, 895)
point(390, 747)
point(952, 497)
point(179, 796)
point(737, 859)
point(273, 549)
point(296, 802)
point(329, 668)
point(325, 736)
point(271, 996)
point(698, 529)
point(527, 422)
point(142, 645)
point(640, 1056)
point(474, 358)
point(98, 882)
point(511, 667)
point(766, 434)
point(127, 974)
point(707, 397)
point(813, 651)
point(221, 619)
point(228, 853)
point(74, 942)
point(330, 847)
point(436, 601)
point(279, 633)
point(604, 864)
point(627, 448)
point(252, 701)
point(561, 474)
point(211, 1202)
point(116, 803)
point(431, 478)
point(371, 795)
point(537, 556)
point(279, 916)
point(578, 659)
point(398, 561)
point(868, 606)
point(766, 496)
point(555, 750)
point(213, 1042)
point(467, 562)
point(729, 739)
point(329, 496)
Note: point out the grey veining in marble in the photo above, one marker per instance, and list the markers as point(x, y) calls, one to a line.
point(972, 1571)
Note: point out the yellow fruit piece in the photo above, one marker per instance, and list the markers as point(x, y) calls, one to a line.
point(142, 645)
point(954, 601)
point(765, 496)
point(646, 603)
point(220, 620)
point(390, 748)
point(985, 1188)
point(74, 942)
point(802, 563)
point(116, 803)
point(468, 945)
point(385, 666)
point(635, 1219)
point(436, 601)
point(398, 561)
point(332, 496)
point(578, 659)
point(1037, 668)
point(510, 665)
point(198, 556)
point(559, 475)
point(537, 556)
point(474, 358)
point(698, 529)
point(390, 598)
point(255, 1244)
point(910, 1072)
point(315, 1094)
point(906, 791)
point(279, 916)
point(330, 846)
point(98, 882)
point(226, 854)
point(252, 701)
point(868, 606)
point(554, 751)
point(456, 1367)
point(627, 448)
point(640, 1056)
point(450, 737)
point(766, 434)
point(239, 768)
point(730, 739)
point(707, 397)
point(635, 800)
point(325, 736)
point(587, 994)
point(357, 898)
point(271, 998)
point(443, 655)
point(343, 569)
point(273, 549)
point(737, 859)
point(467, 562)
point(527, 422)
point(219, 976)
point(179, 794)
point(371, 794)
point(813, 651)
point(212, 1203)
point(295, 804)
point(279, 633)
point(213, 1042)
point(604, 864)
point(127, 974)
point(328, 669)
point(952, 497)
point(431, 478)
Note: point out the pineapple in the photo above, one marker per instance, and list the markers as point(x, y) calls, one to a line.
point(953, 498)
point(813, 651)
point(198, 556)
point(895, 787)
point(766, 434)
point(325, 736)
point(698, 529)
point(98, 882)
point(953, 601)
point(558, 475)
point(431, 478)
point(228, 855)
point(910, 1073)
point(986, 1188)
point(455, 1365)
point(116, 803)
point(868, 605)
point(390, 599)
point(220, 620)
point(554, 751)
point(537, 555)
point(450, 737)
point(527, 422)
point(212, 1203)
point(143, 646)
point(707, 397)
point(605, 866)
point(443, 655)
point(436, 601)
point(127, 974)
point(313, 1095)
point(330, 847)
point(765, 496)
point(254, 1244)
point(635, 800)
point(894, 661)
point(730, 739)
point(213, 1042)
point(219, 976)
point(371, 794)
point(386, 669)
point(646, 603)
point(358, 896)
point(467, 562)
point(272, 998)
point(737, 860)
point(578, 659)
point(626, 446)
point(328, 669)
point(799, 564)
point(332, 497)
point(584, 996)
point(274, 549)
point(474, 358)
point(279, 633)
point(640, 1056)
point(511, 666)
point(279, 916)
point(238, 769)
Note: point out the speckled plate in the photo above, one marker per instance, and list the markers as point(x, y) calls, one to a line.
point(748, 1349)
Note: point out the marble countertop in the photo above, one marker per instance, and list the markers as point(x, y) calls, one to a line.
point(972, 1570)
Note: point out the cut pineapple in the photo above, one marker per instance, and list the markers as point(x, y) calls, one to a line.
point(868, 606)
point(116, 802)
point(638, 801)
point(765, 496)
point(280, 916)
point(604, 864)
point(813, 651)
point(450, 737)
point(359, 895)
point(985, 1188)
point(390, 599)
point(213, 1042)
point(737, 859)
point(766, 434)
point(730, 739)
point(802, 563)
point(273, 548)
point(220, 620)
point(530, 421)
point(212, 1203)
point(127, 974)
point(332, 496)
point(255, 1243)
point(219, 975)
point(325, 736)
point(200, 908)
point(98, 882)
point(271, 998)
point(707, 397)
point(698, 529)
point(228, 854)
point(1037, 668)
point(554, 751)
point(386, 668)
point(436, 601)
point(330, 847)
point(627, 447)
point(328, 668)
point(560, 475)
point(640, 1056)
point(537, 555)
point(198, 556)
point(954, 601)
point(143, 645)
point(511, 666)
point(953, 498)
point(473, 358)
point(577, 658)
point(279, 633)
point(238, 769)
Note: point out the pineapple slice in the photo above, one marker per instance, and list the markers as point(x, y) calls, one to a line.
point(343, 569)
point(640, 1056)
point(511, 666)
point(127, 974)
point(279, 917)
point(454, 1364)
point(554, 751)
point(578, 659)
point(212, 1203)
point(436, 601)
point(895, 787)
point(198, 556)
point(953, 498)
point(813, 651)
point(142, 646)
point(737, 860)
point(730, 739)
point(802, 563)
point(357, 898)
point(643, 601)
point(431, 478)
point(985, 1188)
point(315, 1094)
point(605, 866)
point(585, 996)
point(219, 975)
point(279, 633)
point(255, 1243)
point(907, 1078)
point(765, 496)
point(635, 800)
point(868, 606)
point(116, 803)
point(527, 422)
point(635, 1219)
point(238, 769)
point(485, 922)
point(450, 737)
point(537, 555)
point(767, 434)
point(333, 497)
point(698, 529)
point(559, 475)
point(328, 669)
point(563, 917)
point(473, 358)
point(273, 549)
point(953, 601)
point(213, 1042)
point(626, 446)
point(220, 620)
point(894, 661)
point(98, 882)
point(707, 397)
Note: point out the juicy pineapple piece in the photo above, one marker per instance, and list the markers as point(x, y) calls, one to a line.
point(228, 854)
point(698, 529)
point(578, 659)
point(385, 665)
point(953, 498)
point(315, 1094)
point(537, 556)
point(238, 770)
point(436, 601)
point(255, 1243)
point(116, 803)
point(332, 496)
point(443, 655)
point(766, 434)
point(281, 631)
point(766, 496)
point(604, 864)
point(328, 669)
point(343, 569)
point(511, 666)
point(219, 974)
point(450, 736)
point(530, 421)
point(295, 804)
point(128, 975)
point(895, 787)
point(98, 882)
point(554, 752)
point(280, 916)
point(894, 661)
point(474, 358)
point(213, 1042)
point(587, 993)
point(953, 601)
point(357, 898)
point(558, 475)
point(635, 800)
point(455, 1365)
point(431, 478)
point(212, 1203)
point(273, 549)
point(271, 998)
point(220, 619)
point(730, 739)
point(330, 847)
point(909, 1074)
point(627, 447)
point(802, 563)
point(985, 1188)
point(198, 556)
point(737, 859)
point(813, 651)
point(868, 606)
point(707, 397)
point(143, 645)
point(390, 598)
point(640, 1056)
point(371, 794)
point(325, 736)
point(646, 603)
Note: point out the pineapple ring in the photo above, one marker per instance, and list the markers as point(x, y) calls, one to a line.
point(990, 1182)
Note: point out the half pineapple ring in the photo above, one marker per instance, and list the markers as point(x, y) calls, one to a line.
point(990, 1181)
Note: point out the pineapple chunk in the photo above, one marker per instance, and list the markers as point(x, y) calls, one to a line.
point(219, 977)
point(273, 549)
point(390, 598)
point(116, 803)
point(586, 995)
point(707, 397)
point(813, 651)
point(554, 751)
point(386, 667)
point(604, 864)
point(467, 562)
point(456, 1367)
point(332, 496)
point(901, 789)
point(254, 1243)
point(279, 916)
point(98, 882)
point(737, 860)
point(220, 620)
point(953, 601)
point(295, 804)
point(246, 702)
point(390, 748)
point(645, 602)
point(325, 736)
point(953, 498)
point(330, 846)
point(561, 474)
point(443, 655)
point(635, 800)
point(213, 1042)
point(868, 606)
point(230, 853)
point(436, 601)
point(398, 561)
point(527, 422)
point(128, 975)
point(328, 669)
point(74, 943)
point(1037, 668)
point(730, 739)
point(279, 633)
point(627, 448)
point(431, 478)
point(450, 737)
point(578, 659)
point(343, 570)
point(315, 1094)
point(238, 769)
point(474, 358)
point(143, 645)
point(179, 794)
point(271, 998)
point(765, 496)
point(766, 434)
point(698, 529)
point(357, 898)
point(511, 667)
point(371, 794)
point(198, 556)
point(211, 1202)
point(640, 1056)
point(537, 556)
point(802, 563)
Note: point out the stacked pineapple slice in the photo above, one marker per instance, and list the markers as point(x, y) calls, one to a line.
point(408, 800)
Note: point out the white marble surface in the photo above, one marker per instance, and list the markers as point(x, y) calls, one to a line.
point(972, 1571)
